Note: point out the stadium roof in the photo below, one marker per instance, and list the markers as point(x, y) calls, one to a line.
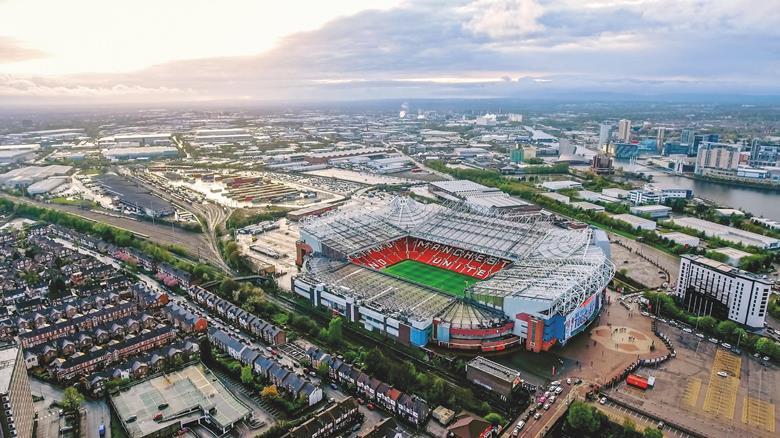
point(377, 290)
point(494, 233)
point(564, 282)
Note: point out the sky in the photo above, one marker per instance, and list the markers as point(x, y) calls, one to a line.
point(85, 51)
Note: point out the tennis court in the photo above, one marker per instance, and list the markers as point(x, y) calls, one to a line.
point(449, 282)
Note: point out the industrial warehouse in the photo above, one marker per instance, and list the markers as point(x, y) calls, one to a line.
point(133, 197)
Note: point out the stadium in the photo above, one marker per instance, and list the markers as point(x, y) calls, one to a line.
point(452, 275)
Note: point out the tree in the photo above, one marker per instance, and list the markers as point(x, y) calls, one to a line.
point(205, 350)
point(764, 346)
point(246, 375)
point(71, 399)
point(739, 334)
point(323, 369)
point(227, 286)
point(651, 432)
point(726, 328)
point(580, 418)
point(376, 363)
point(707, 323)
point(494, 419)
point(335, 331)
point(57, 287)
point(269, 391)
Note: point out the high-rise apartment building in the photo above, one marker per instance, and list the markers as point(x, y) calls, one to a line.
point(659, 141)
point(605, 134)
point(16, 404)
point(717, 158)
point(624, 130)
point(686, 136)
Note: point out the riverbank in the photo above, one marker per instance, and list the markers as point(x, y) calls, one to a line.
point(758, 201)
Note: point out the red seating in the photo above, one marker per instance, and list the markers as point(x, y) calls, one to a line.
point(465, 262)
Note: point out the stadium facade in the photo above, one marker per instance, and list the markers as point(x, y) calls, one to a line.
point(498, 280)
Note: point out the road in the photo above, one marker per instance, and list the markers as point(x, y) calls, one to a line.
point(97, 411)
point(534, 428)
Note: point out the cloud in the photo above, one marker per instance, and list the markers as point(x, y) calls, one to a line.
point(470, 48)
point(12, 50)
point(503, 18)
point(30, 87)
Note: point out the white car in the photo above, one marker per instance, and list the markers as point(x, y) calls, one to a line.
point(700, 335)
point(551, 400)
point(687, 330)
point(558, 390)
point(725, 345)
point(723, 374)
point(546, 406)
point(713, 340)
point(603, 400)
point(644, 313)
point(568, 381)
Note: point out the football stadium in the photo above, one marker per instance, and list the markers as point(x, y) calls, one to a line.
point(454, 276)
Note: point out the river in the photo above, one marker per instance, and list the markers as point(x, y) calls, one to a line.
point(759, 202)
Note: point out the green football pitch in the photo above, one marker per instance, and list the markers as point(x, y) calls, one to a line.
point(446, 281)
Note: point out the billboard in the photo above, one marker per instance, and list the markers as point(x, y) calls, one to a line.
point(582, 314)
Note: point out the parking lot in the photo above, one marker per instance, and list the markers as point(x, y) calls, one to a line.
point(637, 267)
point(617, 413)
point(281, 241)
point(709, 389)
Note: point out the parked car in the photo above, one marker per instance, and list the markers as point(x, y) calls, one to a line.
point(546, 406)
point(558, 390)
point(723, 374)
point(537, 415)
point(725, 345)
point(713, 340)
point(603, 400)
point(370, 406)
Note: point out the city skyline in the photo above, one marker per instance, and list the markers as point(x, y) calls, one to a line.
point(85, 52)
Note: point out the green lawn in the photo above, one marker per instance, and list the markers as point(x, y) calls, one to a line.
point(446, 281)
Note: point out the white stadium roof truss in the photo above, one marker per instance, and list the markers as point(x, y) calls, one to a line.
point(493, 233)
point(350, 230)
